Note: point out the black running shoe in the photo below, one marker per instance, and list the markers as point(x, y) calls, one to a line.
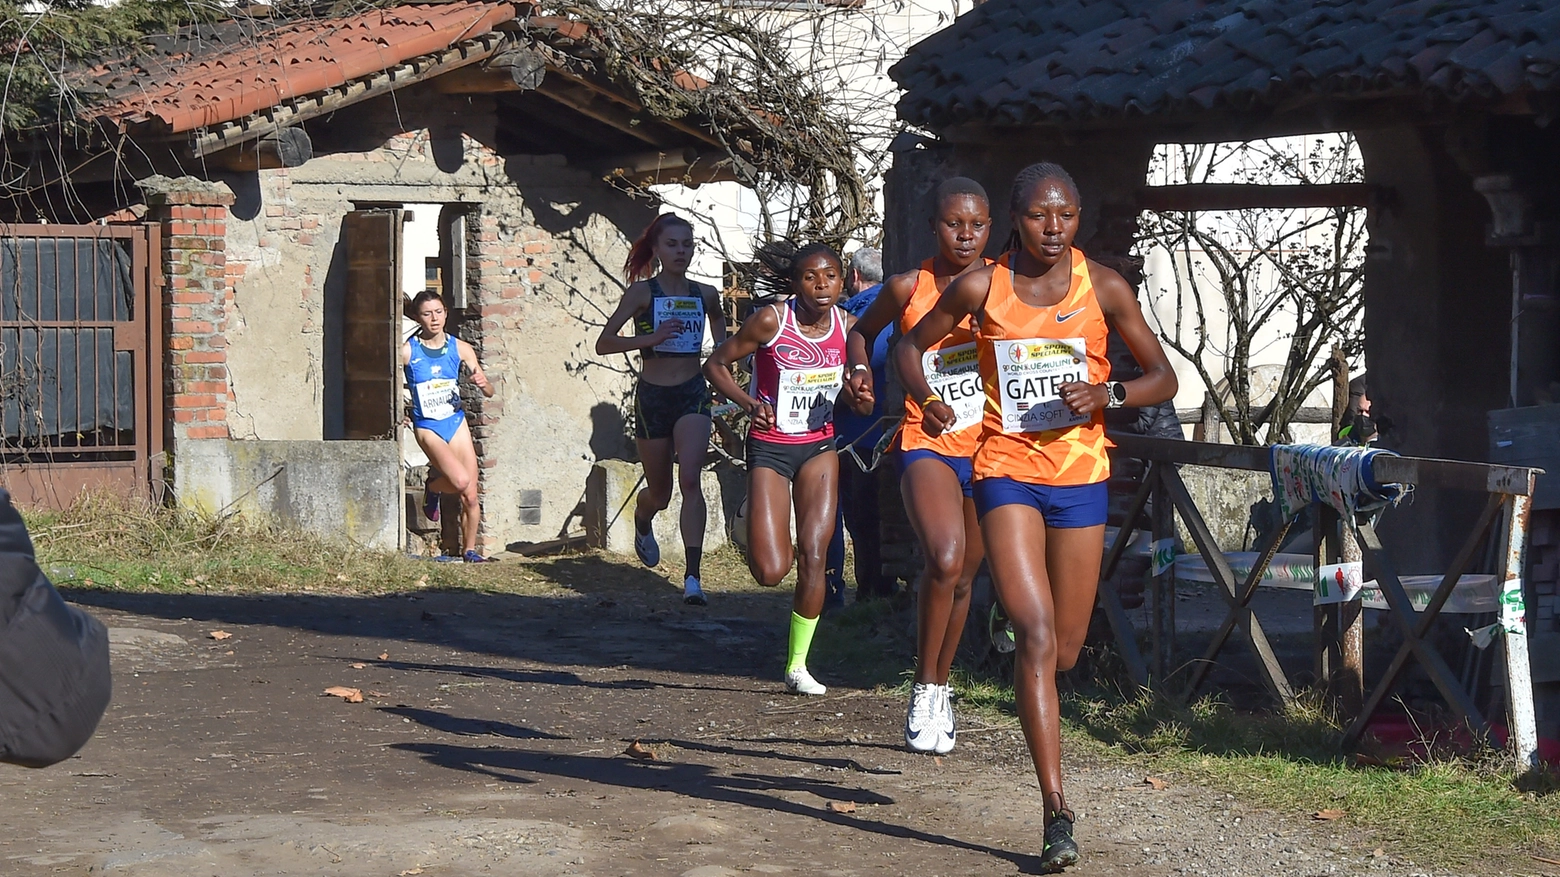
point(1060, 848)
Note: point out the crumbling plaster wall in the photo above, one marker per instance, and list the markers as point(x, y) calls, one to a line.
point(544, 250)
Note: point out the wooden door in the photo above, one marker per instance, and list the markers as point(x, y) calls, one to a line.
point(371, 325)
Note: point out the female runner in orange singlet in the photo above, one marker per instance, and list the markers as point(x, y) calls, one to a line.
point(935, 474)
point(1041, 316)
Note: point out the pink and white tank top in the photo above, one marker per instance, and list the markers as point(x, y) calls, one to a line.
point(800, 378)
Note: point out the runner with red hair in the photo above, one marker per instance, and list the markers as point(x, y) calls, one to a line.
point(672, 399)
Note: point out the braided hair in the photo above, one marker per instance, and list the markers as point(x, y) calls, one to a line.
point(1025, 183)
point(780, 258)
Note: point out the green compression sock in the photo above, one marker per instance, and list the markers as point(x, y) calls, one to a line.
point(801, 641)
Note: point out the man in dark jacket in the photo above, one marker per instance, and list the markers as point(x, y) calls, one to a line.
point(54, 678)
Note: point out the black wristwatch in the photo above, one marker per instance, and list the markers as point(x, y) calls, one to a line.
point(1115, 394)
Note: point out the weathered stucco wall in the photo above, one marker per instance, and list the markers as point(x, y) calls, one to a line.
point(545, 242)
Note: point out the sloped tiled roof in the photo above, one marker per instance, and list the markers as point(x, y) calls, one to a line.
point(1026, 62)
point(217, 73)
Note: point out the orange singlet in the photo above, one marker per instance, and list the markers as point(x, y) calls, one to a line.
point(952, 370)
point(1026, 354)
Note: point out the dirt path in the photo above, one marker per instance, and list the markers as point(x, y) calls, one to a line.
point(491, 741)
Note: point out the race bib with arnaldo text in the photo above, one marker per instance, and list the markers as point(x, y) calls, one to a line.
point(1030, 375)
point(805, 401)
point(436, 398)
point(954, 374)
point(686, 310)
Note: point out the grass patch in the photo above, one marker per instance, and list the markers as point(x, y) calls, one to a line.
point(866, 644)
point(1450, 811)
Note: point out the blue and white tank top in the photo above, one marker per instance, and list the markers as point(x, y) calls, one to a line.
point(432, 375)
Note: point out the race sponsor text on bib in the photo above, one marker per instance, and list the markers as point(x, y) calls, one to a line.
point(805, 401)
point(953, 373)
point(436, 398)
point(1030, 375)
point(688, 312)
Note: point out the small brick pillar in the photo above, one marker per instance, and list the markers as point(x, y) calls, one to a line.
point(193, 214)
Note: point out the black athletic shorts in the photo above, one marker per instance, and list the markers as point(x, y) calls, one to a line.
point(657, 409)
point(785, 459)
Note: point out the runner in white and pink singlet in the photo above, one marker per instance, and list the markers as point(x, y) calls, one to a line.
point(800, 377)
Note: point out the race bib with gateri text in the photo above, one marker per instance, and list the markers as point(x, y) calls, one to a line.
point(1030, 375)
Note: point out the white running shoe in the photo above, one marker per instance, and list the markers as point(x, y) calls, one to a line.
point(647, 549)
point(693, 595)
point(923, 722)
point(947, 734)
point(799, 681)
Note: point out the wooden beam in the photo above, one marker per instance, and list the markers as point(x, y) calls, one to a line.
point(604, 112)
point(1241, 196)
point(1423, 471)
point(516, 69)
point(632, 106)
point(289, 147)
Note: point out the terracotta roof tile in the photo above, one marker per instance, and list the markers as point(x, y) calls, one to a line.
point(1030, 61)
point(227, 72)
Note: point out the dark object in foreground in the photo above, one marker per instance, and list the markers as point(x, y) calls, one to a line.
point(54, 676)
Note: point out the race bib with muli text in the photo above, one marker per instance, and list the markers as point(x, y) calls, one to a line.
point(805, 400)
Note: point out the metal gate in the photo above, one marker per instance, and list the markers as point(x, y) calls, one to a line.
point(80, 361)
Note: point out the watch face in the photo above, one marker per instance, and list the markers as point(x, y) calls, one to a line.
point(1118, 391)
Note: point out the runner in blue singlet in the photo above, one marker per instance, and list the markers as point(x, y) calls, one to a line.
point(433, 359)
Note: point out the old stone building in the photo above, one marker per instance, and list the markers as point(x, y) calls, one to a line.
point(1453, 106)
point(302, 177)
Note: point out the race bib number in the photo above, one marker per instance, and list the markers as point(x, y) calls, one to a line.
point(805, 402)
point(436, 398)
point(688, 312)
point(1030, 375)
point(954, 374)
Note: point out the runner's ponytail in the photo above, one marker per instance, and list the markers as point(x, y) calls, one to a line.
point(640, 264)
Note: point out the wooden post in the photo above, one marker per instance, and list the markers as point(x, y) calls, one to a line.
point(1164, 583)
point(1519, 679)
point(1207, 430)
point(1350, 678)
point(1324, 531)
point(449, 524)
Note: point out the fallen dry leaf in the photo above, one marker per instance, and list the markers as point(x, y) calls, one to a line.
point(1379, 853)
point(842, 806)
point(378, 694)
point(1327, 815)
point(1155, 783)
point(220, 634)
point(358, 666)
point(228, 652)
point(937, 759)
point(384, 656)
point(637, 749)
point(410, 871)
point(350, 695)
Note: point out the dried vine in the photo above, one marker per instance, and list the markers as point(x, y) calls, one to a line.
point(783, 133)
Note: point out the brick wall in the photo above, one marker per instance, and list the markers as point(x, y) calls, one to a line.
point(505, 265)
point(196, 297)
